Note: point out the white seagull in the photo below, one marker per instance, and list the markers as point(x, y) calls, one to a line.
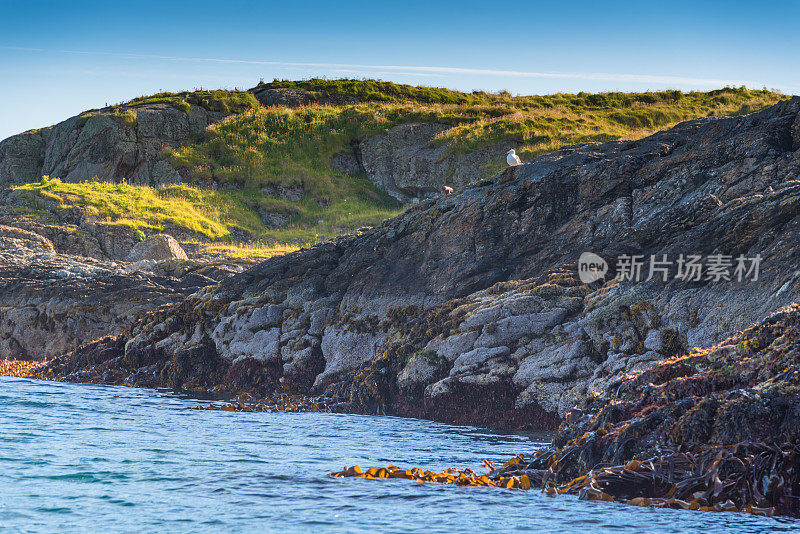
point(512, 158)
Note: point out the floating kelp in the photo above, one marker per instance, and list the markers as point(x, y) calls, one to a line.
point(755, 478)
point(277, 403)
point(21, 369)
point(459, 477)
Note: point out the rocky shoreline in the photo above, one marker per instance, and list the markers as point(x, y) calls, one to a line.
point(471, 309)
point(713, 430)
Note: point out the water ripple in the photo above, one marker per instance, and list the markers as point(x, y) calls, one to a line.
point(76, 458)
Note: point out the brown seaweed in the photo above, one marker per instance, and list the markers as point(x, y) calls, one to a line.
point(756, 478)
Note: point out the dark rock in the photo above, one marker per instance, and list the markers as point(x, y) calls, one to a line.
point(292, 98)
point(346, 163)
point(51, 303)
point(405, 165)
point(292, 192)
point(275, 219)
point(21, 157)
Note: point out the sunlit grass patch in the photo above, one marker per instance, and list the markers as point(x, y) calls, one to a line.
point(217, 215)
point(212, 214)
point(253, 250)
point(220, 100)
point(281, 145)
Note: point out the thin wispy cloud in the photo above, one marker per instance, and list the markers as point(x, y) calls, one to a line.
point(420, 70)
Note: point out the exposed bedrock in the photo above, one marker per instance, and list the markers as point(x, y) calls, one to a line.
point(405, 164)
point(51, 303)
point(468, 308)
point(103, 147)
point(131, 145)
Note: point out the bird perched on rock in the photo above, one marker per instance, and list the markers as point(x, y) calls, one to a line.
point(446, 190)
point(512, 158)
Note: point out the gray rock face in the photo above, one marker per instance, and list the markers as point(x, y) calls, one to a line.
point(275, 219)
point(485, 283)
point(402, 162)
point(281, 96)
point(21, 157)
point(50, 303)
point(419, 371)
point(157, 247)
point(289, 193)
point(102, 147)
point(292, 98)
point(452, 347)
point(345, 163)
point(344, 349)
point(469, 361)
point(12, 238)
point(105, 147)
point(250, 335)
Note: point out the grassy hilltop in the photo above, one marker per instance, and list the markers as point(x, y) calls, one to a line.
point(257, 147)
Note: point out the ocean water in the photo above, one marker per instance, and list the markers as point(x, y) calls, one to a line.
point(91, 458)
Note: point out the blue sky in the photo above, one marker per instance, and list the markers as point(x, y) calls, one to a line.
point(59, 58)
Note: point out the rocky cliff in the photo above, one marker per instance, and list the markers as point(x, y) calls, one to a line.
point(404, 164)
point(105, 145)
point(409, 141)
point(129, 141)
point(51, 303)
point(469, 308)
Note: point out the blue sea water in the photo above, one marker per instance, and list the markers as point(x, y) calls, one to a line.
point(85, 458)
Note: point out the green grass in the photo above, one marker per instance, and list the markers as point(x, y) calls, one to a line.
point(254, 250)
point(255, 147)
point(279, 145)
point(378, 91)
point(222, 100)
point(212, 214)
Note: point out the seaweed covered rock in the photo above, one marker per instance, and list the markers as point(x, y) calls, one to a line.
point(715, 429)
point(745, 389)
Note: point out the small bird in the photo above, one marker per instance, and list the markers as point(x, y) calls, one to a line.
point(446, 190)
point(512, 158)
